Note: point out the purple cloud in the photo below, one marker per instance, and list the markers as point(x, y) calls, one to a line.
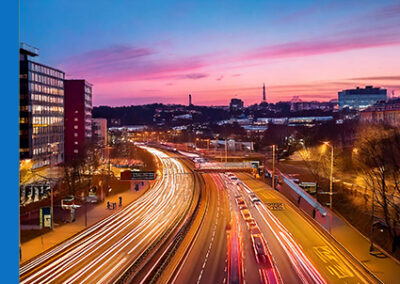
point(129, 64)
point(193, 76)
point(378, 78)
point(325, 45)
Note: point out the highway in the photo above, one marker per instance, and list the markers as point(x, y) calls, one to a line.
point(312, 255)
point(203, 260)
point(104, 251)
point(253, 270)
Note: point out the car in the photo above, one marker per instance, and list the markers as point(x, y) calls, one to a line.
point(260, 251)
point(246, 214)
point(242, 207)
point(251, 223)
point(240, 201)
point(92, 198)
point(254, 230)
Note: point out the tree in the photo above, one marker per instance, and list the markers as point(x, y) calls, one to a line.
point(378, 161)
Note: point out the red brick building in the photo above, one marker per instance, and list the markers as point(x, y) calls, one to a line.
point(78, 117)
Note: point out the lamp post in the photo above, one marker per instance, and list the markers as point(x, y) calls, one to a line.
point(51, 188)
point(330, 177)
point(273, 166)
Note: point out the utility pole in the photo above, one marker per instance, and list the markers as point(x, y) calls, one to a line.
point(51, 188)
point(273, 166)
point(331, 181)
point(226, 150)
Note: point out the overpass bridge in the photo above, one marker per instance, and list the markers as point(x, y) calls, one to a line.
point(219, 167)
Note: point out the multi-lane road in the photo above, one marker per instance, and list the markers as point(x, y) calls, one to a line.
point(193, 227)
point(102, 253)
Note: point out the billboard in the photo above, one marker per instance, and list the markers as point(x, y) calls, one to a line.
point(143, 175)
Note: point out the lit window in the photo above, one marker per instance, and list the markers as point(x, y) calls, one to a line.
point(76, 151)
point(75, 134)
point(75, 126)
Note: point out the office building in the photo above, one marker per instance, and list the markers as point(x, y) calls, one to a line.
point(236, 104)
point(100, 131)
point(361, 98)
point(78, 117)
point(41, 110)
point(190, 100)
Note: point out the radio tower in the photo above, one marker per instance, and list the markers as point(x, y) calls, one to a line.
point(264, 99)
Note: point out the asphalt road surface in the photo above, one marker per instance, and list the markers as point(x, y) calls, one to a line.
point(312, 254)
point(104, 251)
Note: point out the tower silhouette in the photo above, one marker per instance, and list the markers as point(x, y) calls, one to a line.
point(264, 98)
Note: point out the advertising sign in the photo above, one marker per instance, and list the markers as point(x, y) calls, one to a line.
point(45, 217)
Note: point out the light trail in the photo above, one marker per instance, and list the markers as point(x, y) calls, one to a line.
point(120, 239)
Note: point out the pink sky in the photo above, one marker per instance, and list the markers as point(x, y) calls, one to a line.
point(353, 52)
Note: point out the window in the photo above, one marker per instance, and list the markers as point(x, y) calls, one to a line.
point(76, 151)
point(75, 134)
point(76, 142)
point(75, 126)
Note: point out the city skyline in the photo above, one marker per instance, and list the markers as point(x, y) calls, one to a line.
point(141, 53)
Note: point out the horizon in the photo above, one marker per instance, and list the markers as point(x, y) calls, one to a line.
point(135, 54)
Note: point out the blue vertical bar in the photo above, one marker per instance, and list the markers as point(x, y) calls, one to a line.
point(9, 141)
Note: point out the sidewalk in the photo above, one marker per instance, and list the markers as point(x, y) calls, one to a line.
point(60, 233)
point(384, 267)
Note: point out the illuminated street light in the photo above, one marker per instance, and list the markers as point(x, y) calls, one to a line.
point(330, 176)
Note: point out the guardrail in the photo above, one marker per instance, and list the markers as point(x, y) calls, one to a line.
point(310, 200)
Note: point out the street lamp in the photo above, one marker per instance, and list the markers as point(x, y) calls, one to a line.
point(330, 177)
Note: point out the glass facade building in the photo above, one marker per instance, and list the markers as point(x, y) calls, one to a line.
point(41, 110)
point(361, 98)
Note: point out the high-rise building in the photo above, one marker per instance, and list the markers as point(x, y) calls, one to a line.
point(360, 98)
point(41, 110)
point(190, 100)
point(100, 131)
point(78, 117)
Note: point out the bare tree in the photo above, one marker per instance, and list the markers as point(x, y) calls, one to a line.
point(378, 161)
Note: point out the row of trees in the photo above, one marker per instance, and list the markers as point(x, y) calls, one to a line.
point(377, 160)
point(374, 158)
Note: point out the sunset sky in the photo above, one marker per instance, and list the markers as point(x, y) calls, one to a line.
point(137, 52)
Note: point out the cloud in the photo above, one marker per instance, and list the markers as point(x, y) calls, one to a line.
point(220, 78)
point(346, 41)
point(116, 64)
point(193, 76)
point(378, 78)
